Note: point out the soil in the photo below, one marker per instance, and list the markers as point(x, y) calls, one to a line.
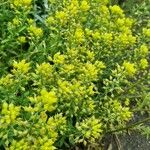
point(132, 141)
point(135, 141)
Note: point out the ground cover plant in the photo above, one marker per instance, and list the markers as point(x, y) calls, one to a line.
point(71, 71)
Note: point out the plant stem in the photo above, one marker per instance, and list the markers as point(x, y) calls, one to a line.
point(130, 126)
point(138, 109)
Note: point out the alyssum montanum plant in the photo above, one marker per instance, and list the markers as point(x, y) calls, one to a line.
point(71, 74)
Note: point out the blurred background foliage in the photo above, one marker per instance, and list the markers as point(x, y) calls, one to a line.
point(138, 9)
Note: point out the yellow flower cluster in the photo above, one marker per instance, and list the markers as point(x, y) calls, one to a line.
point(116, 10)
point(8, 113)
point(115, 112)
point(20, 67)
point(62, 16)
point(48, 99)
point(22, 144)
point(73, 81)
point(90, 71)
point(79, 35)
point(88, 54)
point(22, 3)
point(125, 114)
point(16, 22)
point(84, 6)
point(143, 50)
point(91, 129)
point(50, 20)
point(22, 39)
point(143, 63)
point(146, 32)
point(73, 7)
point(44, 70)
point(58, 58)
point(47, 144)
point(129, 68)
point(35, 31)
point(41, 134)
point(6, 80)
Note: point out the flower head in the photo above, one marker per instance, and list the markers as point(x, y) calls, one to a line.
point(143, 63)
point(35, 31)
point(21, 67)
point(116, 10)
point(129, 68)
point(84, 6)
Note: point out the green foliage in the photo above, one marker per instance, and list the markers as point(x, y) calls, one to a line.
point(145, 130)
point(139, 10)
point(72, 71)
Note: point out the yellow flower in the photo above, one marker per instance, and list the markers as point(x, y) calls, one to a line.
point(84, 6)
point(126, 39)
point(127, 102)
point(79, 35)
point(28, 109)
point(43, 116)
point(73, 7)
point(143, 63)
point(146, 32)
point(7, 80)
point(90, 71)
point(35, 31)
point(20, 67)
point(64, 87)
point(58, 58)
point(123, 38)
point(22, 3)
point(22, 39)
point(50, 20)
point(9, 112)
point(116, 10)
point(30, 21)
point(47, 145)
point(91, 89)
point(120, 22)
point(88, 32)
point(90, 55)
point(26, 2)
point(107, 37)
point(144, 49)
point(129, 68)
point(48, 99)
point(104, 10)
point(4, 108)
point(16, 22)
point(91, 128)
point(129, 22)
point(45, 70)
point(132, 39)
point(19, 144)
point(62, 16)
point(124, 113)
point(68, 68)
point(96, 35)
